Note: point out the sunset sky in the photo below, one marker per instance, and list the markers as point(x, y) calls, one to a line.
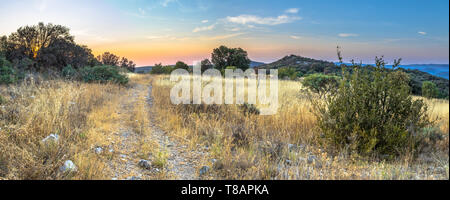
point(154, 31)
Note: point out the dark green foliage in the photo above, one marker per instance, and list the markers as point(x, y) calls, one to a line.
point(372, 113)
point(205, 65)
point(321, 84)
point(69, 72)
point(287, 73)
point(160, 69)
point(103, 74)
point(429, 90)
point(249, 109)
point(224, 56)
point(8, 75)
point(181, 65)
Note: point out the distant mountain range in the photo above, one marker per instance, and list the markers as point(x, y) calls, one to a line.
point(254, 64)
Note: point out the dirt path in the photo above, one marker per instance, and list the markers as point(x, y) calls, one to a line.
point(179, 162)
point(182, 163)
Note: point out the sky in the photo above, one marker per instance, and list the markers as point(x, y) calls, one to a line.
point(165, 31)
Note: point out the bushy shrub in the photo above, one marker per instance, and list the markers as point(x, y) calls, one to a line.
point(103, 74)
point(321, 84)
point(249, 109)
point(429, 90)
point(287, 73)
point(8, 74)
point(69, 72)
point(160, 69)
point(372, 113)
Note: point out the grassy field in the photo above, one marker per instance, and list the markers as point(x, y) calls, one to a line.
point(286, 145)
point(238, 145)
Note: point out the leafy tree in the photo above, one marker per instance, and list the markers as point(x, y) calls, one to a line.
point(28, 41)
point(224, 56)
point(61, 53)
point(205, 65)
point(372, 113)
point(181, 65)
point(321, 84)
point(127, 64)
point(429, 90)
point(108, 58)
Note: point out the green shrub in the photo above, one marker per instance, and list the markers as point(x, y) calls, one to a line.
point(69, 72)
point(8, 74)
point(372, 113)
point(249, 109)
point(103, 74)
point(287, 73)
point(321, 84)
point(160, 69)
point(429, 90)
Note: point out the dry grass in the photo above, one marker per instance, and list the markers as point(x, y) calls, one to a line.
point(77, 112)
point(257, 147)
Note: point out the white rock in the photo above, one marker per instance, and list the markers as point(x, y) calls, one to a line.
point(52, 138)
point(68, 166)
point(98, 150)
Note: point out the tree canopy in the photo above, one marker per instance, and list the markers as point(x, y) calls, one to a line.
point(223, 57)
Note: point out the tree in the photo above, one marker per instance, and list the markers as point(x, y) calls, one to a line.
point(108, 58)
point(181, 65)
point(321, 84)
point(28, 41)
point(205, 65)
point(224, 56)
point(61, 53)
point(429, 90)
point(127, 64)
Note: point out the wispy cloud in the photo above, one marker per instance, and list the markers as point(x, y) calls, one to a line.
point(348, 35)
point(422, 33)
point(221, 37)
point(205, 21)
point(292, 10)
point(166, 3)
point(295, 37)
point(204, 28)
point(252, 19)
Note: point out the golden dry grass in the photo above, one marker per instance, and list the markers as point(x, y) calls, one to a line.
point(257, 147)
point(35, 109)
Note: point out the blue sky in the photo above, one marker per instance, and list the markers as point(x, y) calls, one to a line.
point(153, 31)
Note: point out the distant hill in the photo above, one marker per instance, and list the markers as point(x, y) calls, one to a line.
point(310, 66)
point(254, 64)
point(143, 70)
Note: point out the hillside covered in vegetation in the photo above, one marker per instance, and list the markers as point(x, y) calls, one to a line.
point(302, 66)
